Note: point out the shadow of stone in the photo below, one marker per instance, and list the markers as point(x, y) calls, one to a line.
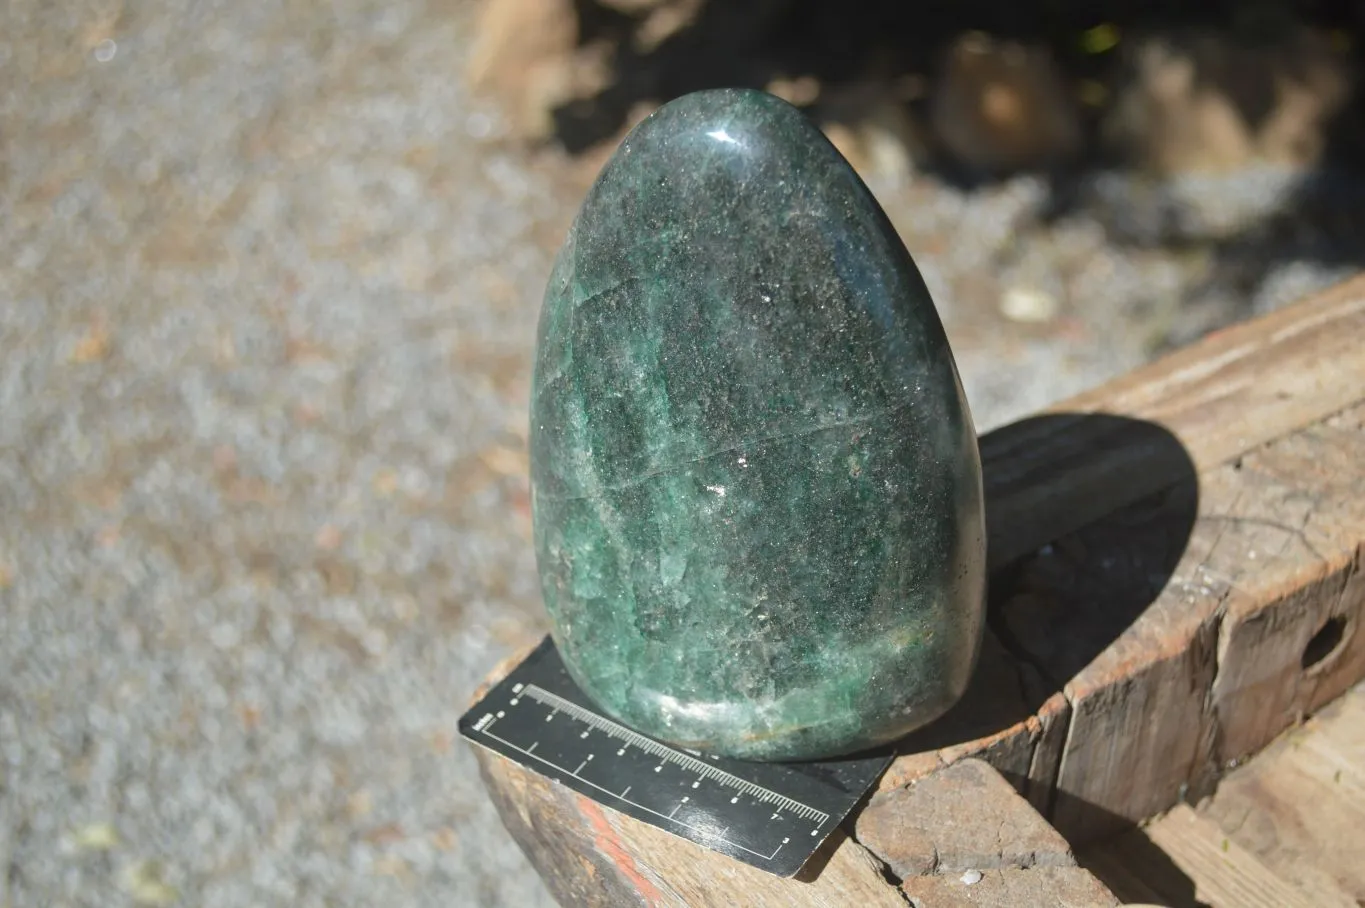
point(1129, 863)
point(1118, 498)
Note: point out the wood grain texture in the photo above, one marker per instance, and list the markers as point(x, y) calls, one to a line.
point(1054, 719)
point(1102, 462)
point(1091, 613)
point(962, 817)
point(1301, 538)
point(1213, 667)
point(1205, 868)
point(1221, 397)
point(1299, 805)
point(1040, 887)
point(1225, 875)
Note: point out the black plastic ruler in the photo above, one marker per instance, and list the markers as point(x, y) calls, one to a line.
point(770, 815)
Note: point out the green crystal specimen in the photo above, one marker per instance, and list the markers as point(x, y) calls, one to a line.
point(755, 483)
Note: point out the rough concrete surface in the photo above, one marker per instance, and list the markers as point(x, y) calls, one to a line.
point(264, 335)
point(267, 299)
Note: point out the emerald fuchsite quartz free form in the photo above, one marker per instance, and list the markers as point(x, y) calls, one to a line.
point(755, 482)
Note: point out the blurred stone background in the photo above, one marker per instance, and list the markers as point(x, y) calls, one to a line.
point(267, 303)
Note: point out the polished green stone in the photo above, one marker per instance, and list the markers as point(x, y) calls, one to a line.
point(755, 482)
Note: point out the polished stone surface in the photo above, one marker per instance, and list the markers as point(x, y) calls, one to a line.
point(755, 483)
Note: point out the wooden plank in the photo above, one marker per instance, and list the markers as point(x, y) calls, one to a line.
point(1217, 393)
point(1303, 532)
point(1054, 716)
point(1219, 398)
point(1097, 458)
point(1088, 612)
point(1212, 667)
point(1299, 805)
point(1137, 635)
point(1184, 859)
point(964, 836)
point(1052, 887)
point(1225, 875)
point(963, 817)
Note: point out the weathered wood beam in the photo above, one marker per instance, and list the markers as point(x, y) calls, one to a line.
point(1177, 577)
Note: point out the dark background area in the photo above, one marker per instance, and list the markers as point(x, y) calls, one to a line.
point(1125, 109)
point(1240, 49)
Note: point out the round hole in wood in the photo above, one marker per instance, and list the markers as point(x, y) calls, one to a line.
point(1324, 642)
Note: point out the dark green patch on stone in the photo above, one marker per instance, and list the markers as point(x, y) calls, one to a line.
point(755, 483)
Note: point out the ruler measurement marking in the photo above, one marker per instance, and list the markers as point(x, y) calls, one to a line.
point(705, 770)
point(701, 831)
point(758, 815)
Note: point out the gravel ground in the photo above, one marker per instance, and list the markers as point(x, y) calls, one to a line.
point(266, 306)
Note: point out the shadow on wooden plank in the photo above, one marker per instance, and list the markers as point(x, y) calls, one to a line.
point(1139, 872)
point(1122, 494)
